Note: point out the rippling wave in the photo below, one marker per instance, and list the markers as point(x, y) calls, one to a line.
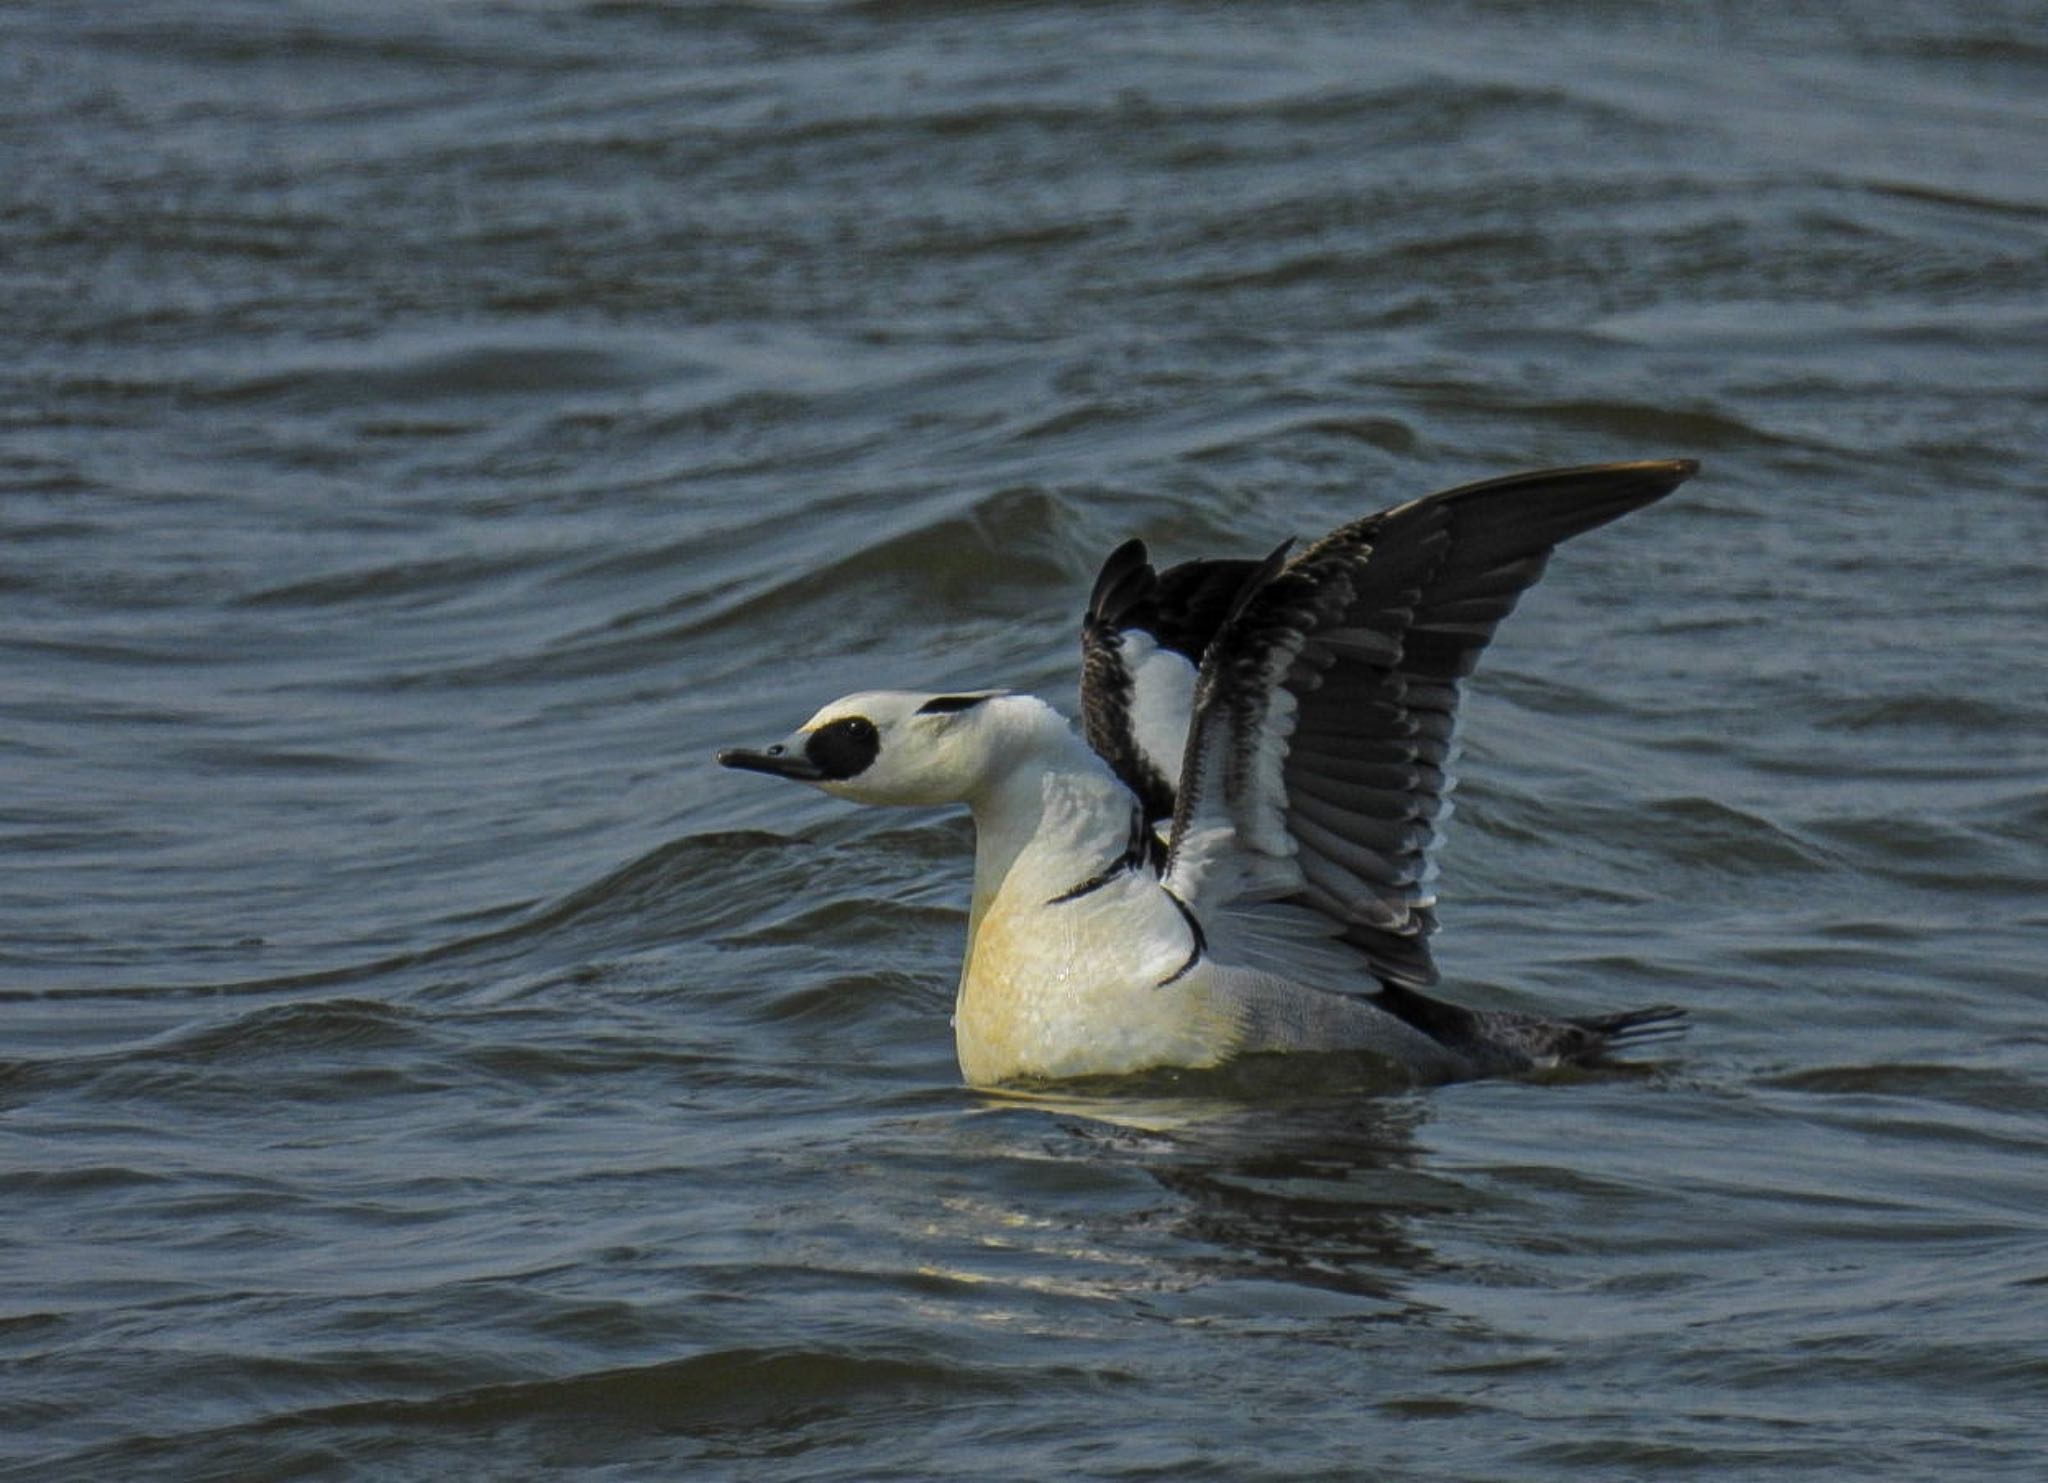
point(430, 432)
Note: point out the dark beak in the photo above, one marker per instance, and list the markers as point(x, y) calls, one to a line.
point(776, 762)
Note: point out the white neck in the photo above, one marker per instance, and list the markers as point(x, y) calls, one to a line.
point(1048, 804)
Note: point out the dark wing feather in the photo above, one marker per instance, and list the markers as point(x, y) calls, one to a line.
point(1142, 642)
point(1192, 601)
point(1316, 767)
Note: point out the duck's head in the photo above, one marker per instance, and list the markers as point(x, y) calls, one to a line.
point(889, 746)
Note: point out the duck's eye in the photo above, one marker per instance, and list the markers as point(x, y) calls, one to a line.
point(843, 749)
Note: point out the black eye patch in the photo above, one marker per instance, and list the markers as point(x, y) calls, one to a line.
point(939, 705)
point(844, 748)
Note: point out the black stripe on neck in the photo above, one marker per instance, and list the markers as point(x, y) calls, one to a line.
point(1137, 852)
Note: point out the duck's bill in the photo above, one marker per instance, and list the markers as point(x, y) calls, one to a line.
point(775, 762)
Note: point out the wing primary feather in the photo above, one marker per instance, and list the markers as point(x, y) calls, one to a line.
point(1316, 767)
point(1405, 797)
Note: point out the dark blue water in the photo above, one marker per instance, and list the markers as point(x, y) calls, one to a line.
point(427, 432)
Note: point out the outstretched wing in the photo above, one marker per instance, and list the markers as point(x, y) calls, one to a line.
point(1141, 647)
point(1314, 778)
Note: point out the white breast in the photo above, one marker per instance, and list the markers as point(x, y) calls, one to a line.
point(1081, 987)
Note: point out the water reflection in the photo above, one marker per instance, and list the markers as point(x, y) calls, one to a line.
point(1292, 1185)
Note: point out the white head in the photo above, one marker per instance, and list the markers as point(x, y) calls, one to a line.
point(892, 746)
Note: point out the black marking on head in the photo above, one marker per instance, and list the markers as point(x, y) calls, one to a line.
point(843, 749)
point(940, 705)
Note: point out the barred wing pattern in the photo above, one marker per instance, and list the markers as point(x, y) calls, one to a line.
point(1141, 643)
point(1315, 771)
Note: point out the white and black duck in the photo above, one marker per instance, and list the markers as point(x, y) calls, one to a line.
point(1236, 855)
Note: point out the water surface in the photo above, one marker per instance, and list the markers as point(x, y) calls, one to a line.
point(429, 432)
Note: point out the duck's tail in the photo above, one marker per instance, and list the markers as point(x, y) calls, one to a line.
point(1634, 1027)
point(1504, 1041)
